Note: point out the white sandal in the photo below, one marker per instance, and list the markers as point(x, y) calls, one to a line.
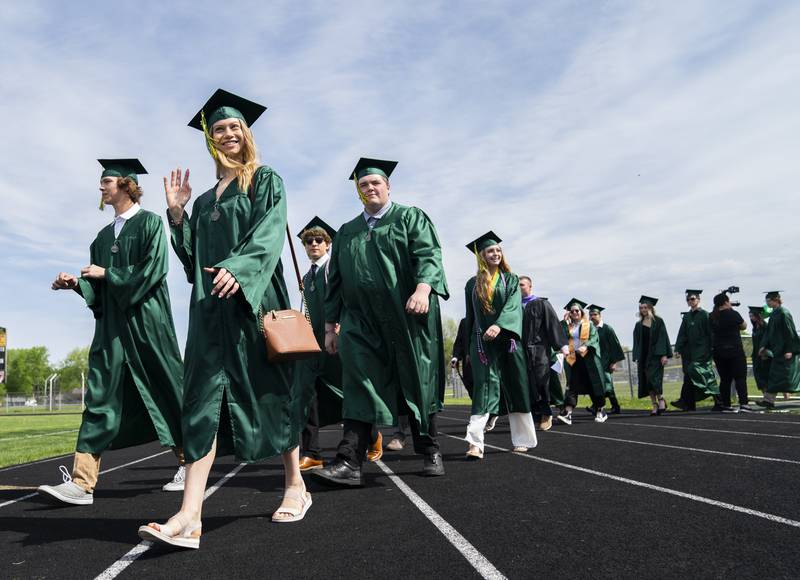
point(187, 536)
point(474, 452)
point(295, 514)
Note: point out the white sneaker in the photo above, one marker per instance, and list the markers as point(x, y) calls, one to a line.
point(67, 492)
point(601, 416)
point(177, 482)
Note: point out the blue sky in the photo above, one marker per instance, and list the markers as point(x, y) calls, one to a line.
point(619, 148)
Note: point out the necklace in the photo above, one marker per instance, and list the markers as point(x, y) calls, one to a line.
point(115, 247)
point(215, 214)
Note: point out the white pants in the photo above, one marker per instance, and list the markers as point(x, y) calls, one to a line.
point(523, 433)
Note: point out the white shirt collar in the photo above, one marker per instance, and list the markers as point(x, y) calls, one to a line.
point(132, 211)
point(380, 213)
point(600, 325)
point(322, 260)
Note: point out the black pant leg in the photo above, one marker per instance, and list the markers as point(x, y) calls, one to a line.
point(739, 370)
point(424, 443)
point(356, 437)
point(539, 384)
point(725, 379)
point(599, 401)
point(687, 392)
point(309, 438)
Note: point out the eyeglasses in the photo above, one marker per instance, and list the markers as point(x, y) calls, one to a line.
point(315, 240)
point(692, 299)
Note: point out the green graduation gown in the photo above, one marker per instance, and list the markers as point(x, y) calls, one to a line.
point(135, 371)
point(499, 370)
point(319, 376)
point(387, 354)
point(592, 360)
point(694, 345)
point(648, 356)
point(760, 365)
point(226, 358)
point(610, 353)
point(556, 390)
point(781, 337)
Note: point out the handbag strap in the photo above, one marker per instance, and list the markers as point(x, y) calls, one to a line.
point(294, 261)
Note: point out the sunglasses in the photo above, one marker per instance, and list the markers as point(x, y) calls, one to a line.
point(575, 310)
point(315, 240)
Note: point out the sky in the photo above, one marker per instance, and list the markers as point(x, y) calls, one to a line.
point(618, 148)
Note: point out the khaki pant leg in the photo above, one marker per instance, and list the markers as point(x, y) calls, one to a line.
point(85, 470)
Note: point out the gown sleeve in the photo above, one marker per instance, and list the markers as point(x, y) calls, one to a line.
point(426, 253)
point(333, 289)
point(90, 288)
point(510, 316)
point(182, 237)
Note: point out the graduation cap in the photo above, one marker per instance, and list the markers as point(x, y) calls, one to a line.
point(696, 293)
point(575, 301)
point(317, 222)
point(481, 243)
point(368, 166)
point(122, 168)
point(225, 105)
point(648, 300)
point(595, 308)
point(762, 311)
point(773, 294)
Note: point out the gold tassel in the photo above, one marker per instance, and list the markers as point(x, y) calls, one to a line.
point(358, 190)
point(209, 141)
point(102, 204)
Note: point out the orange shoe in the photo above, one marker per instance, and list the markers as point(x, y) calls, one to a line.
point(308, 463)
point(375, 450)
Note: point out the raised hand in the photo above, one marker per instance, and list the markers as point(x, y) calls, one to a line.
point(93, 271)
point(178, 193)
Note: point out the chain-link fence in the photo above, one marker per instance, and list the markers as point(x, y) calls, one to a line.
point(43, 401)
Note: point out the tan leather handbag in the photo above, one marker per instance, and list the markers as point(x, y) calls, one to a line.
point(288, 333)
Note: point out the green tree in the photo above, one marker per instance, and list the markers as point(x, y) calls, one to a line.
point(70, 369)
point(449, 331)
point(27, 368)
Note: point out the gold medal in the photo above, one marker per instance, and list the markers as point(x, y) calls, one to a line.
point(114, 248)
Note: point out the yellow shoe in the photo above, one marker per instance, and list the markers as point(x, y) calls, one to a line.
point(375, 450)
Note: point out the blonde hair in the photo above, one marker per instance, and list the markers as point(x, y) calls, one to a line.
point(651, 311)
point(316, 231)
point(245, 169)
point(483, 280)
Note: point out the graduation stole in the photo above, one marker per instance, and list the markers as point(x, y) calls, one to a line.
point(493, 284)
point(584, 336)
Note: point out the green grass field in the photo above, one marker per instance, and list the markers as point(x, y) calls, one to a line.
point(26, 437)
point(671, 392)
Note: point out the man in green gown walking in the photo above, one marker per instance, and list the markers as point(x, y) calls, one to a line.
point(610, 353)
point(694, 347)
point(135, 371)
point(779, 346)
point(384, 283)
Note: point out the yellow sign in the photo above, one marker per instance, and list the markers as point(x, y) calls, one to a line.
point(2, 337)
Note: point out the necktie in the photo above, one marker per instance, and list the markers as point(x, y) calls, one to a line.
point(313, 277)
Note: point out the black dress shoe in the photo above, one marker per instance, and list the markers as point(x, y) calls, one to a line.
point(680, 404)
point(340, 473)
point(434, 465)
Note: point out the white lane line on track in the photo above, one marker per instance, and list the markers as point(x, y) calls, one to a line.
point(693, 449)
point(749, 433)
point(772, 422)
point(17, 438)
point(12, 467)
point(132, 555)
point(477, 560)
point(675, 492)
point(30, 495)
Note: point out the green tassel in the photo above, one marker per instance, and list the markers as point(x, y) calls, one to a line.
point(209, 141)
point(358, 190)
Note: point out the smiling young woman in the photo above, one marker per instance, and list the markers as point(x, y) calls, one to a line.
point(234, 399)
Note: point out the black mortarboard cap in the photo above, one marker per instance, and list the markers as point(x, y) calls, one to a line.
point(481, 243)
point(368, 166)
point(317, 222)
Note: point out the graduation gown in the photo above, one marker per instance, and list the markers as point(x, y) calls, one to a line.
point(648, 356)
point(694, 345)
point(135, 371)
point(781, 337)
point(386, 354)
point(230, 389)
point(499, 370)
point(592, 361)
point(610, 353)
point(321, 375)
point(760, 365)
